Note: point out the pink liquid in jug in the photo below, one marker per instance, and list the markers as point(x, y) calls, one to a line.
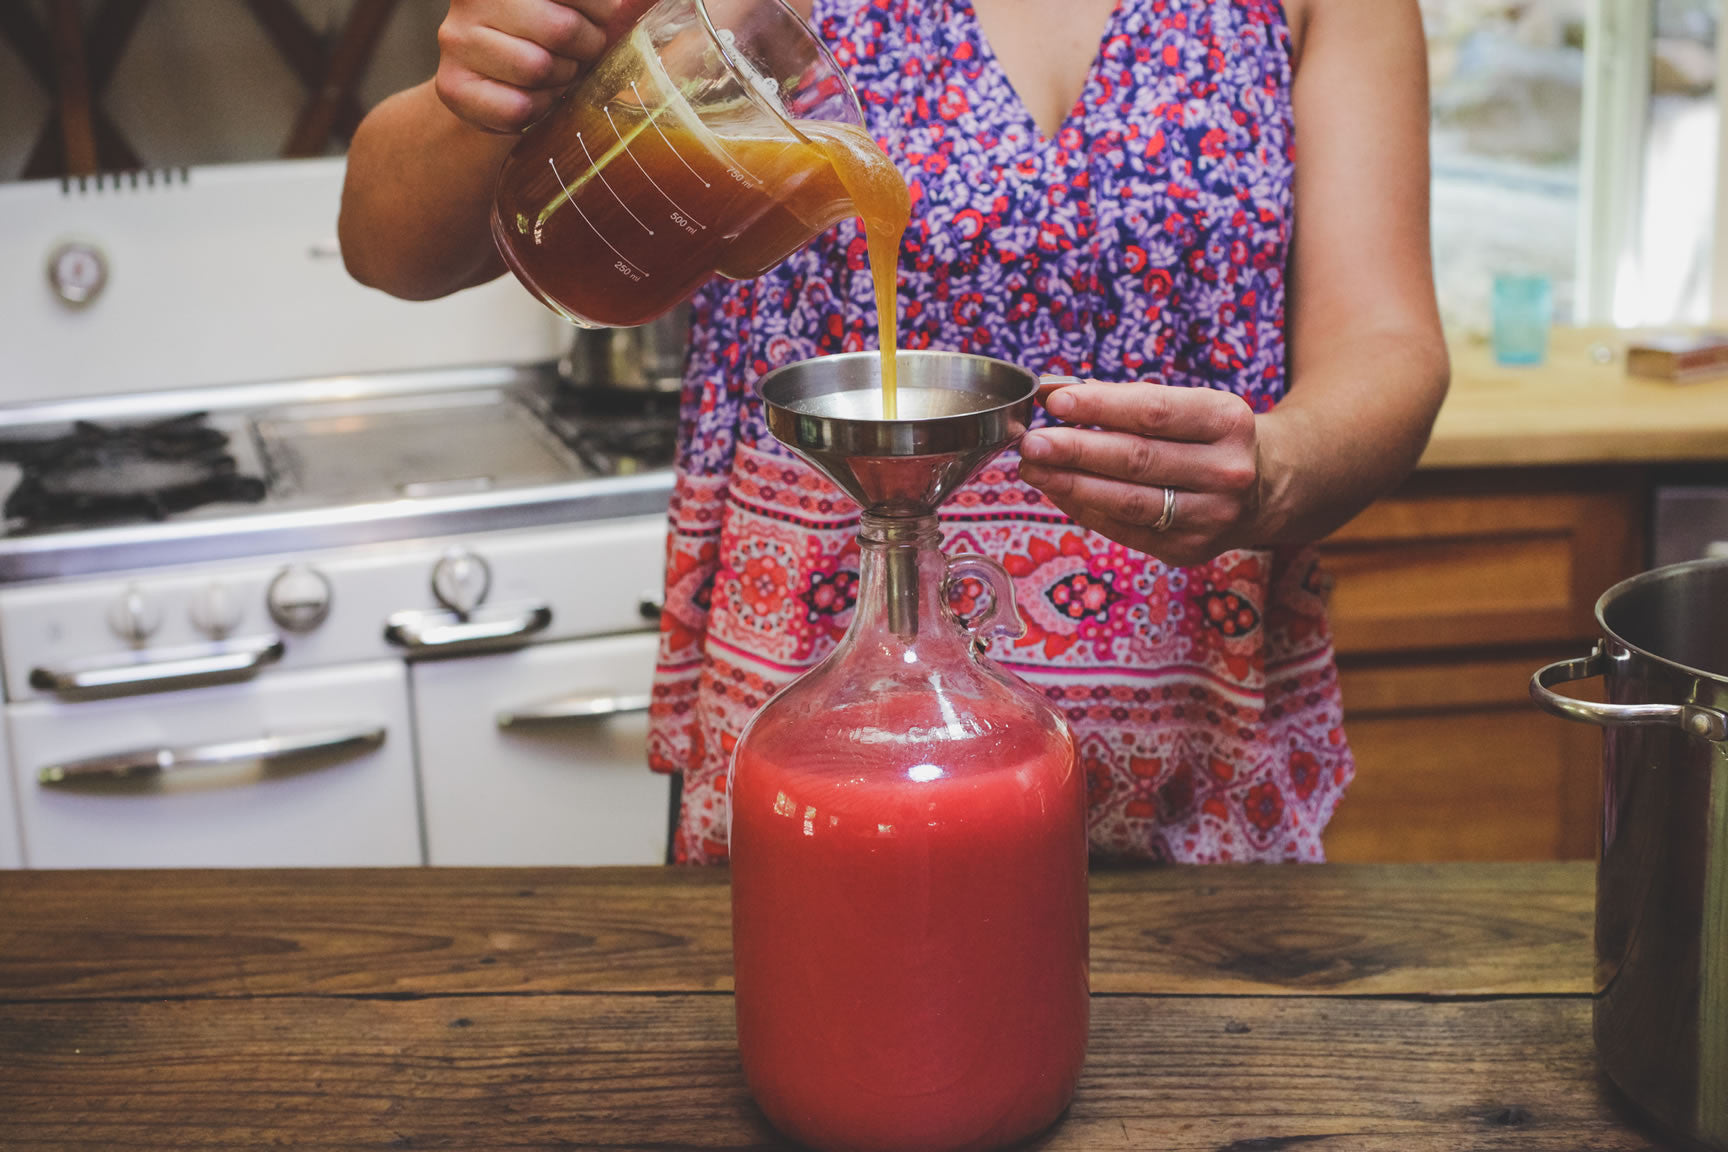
point(911, 937)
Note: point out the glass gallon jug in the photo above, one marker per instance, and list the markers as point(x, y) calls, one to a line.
point(909, 874)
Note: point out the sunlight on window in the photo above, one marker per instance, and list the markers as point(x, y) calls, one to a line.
point(1665, 276)
point(1506, 86)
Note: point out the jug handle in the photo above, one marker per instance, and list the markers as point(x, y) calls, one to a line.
point(1693, 718)
point(999, 617)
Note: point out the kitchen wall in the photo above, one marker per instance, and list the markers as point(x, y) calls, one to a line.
point(200, 83)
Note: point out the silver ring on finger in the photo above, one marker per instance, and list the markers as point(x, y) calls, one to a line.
point(1169, 512)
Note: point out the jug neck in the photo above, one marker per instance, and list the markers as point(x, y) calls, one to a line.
point(901, 572)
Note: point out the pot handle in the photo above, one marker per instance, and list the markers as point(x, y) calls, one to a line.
point(1693, 718)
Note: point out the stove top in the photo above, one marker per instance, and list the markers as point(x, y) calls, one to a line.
point(100, 472)
point(213, 473)
point(619, 433)
point(386, 448)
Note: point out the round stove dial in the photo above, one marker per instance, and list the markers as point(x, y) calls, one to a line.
point(216, 611)
point(299, 598)
point(460, 580)
point(78, 272)
point(134, 617)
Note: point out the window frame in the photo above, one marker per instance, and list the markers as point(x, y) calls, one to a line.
point(1619, 42)
point(1719, 239)
point(1618, 38)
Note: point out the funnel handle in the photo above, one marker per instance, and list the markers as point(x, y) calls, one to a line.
point(997, 614)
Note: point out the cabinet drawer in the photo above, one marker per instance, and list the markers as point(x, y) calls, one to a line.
point(1453, 763)
point(516, 770)
point(352, 806)
point(1486, 784)
point(1454, 570)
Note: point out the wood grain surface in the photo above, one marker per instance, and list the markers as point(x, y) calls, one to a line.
point(1361, 929)
point(1579, 407)
point(609, 1071)
point(1236, 1010)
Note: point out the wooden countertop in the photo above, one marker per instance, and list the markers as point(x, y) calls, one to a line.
point(1572, 409)
point(1409, 1007)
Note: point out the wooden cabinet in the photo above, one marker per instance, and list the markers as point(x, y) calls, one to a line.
point(1446, 597)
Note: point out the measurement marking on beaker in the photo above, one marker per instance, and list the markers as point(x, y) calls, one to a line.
point(679, 216)
point(669, 144)
point(652, 123)
point(754, 179)
point(600, 174)
point(624, 264)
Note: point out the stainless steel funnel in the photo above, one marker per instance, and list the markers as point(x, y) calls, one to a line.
point(953, 413)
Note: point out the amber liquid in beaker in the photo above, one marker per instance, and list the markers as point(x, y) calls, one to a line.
point(636, 210)
point(615, 211)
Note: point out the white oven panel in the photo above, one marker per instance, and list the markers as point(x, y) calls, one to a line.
point(509, 776)
point(199, 268)
point(596, 578)
point(354, 806)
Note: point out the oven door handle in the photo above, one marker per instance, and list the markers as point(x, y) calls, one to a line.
point(267, 750)
point(579, 709)
point(236, 660)
point(437, 633)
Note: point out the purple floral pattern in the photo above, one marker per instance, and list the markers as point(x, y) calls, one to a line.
point(1146, 239)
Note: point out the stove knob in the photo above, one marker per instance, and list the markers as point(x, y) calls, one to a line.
point(215, 611)
point(299, 598)
point(77, 273)
point(460, 580)
point(134, 617)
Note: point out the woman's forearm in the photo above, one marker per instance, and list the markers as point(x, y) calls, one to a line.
point(416, 204)
point(1352, 426)
point(1366, 356)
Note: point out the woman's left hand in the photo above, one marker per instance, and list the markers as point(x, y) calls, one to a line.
point(1123, 446)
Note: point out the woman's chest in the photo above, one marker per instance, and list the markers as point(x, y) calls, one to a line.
point(1045, 50)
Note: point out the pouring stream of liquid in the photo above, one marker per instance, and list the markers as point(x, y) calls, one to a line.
point(878, 192)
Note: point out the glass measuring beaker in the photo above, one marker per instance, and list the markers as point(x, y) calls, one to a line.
point(684, 152)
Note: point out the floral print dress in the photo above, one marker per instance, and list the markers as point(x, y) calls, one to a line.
point(1147, 239)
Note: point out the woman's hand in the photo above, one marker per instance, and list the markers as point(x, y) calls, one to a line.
point(501, 63)
point(1134, 442)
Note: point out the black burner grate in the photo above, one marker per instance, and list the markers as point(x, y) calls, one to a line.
point(99, 472)
point(619, 431)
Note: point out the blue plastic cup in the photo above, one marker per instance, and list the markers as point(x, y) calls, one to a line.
point(1523, 313)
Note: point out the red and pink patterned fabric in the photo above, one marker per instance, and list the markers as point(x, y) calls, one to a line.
point(1146, 240)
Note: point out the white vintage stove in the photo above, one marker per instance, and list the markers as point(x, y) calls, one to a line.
point(292, 573)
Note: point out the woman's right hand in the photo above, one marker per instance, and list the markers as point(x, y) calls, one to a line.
point(501, 63)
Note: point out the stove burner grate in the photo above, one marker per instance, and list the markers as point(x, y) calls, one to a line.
point(616, 432)
point(100, 472)
point(646, 445)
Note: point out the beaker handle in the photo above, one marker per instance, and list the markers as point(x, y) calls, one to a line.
point(999, 617)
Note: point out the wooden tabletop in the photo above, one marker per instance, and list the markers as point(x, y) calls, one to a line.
point(1578, 407)
point(1243, 1009)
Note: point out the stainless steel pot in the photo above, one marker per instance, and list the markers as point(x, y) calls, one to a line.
point(647, 358)
point(1661, 1012)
